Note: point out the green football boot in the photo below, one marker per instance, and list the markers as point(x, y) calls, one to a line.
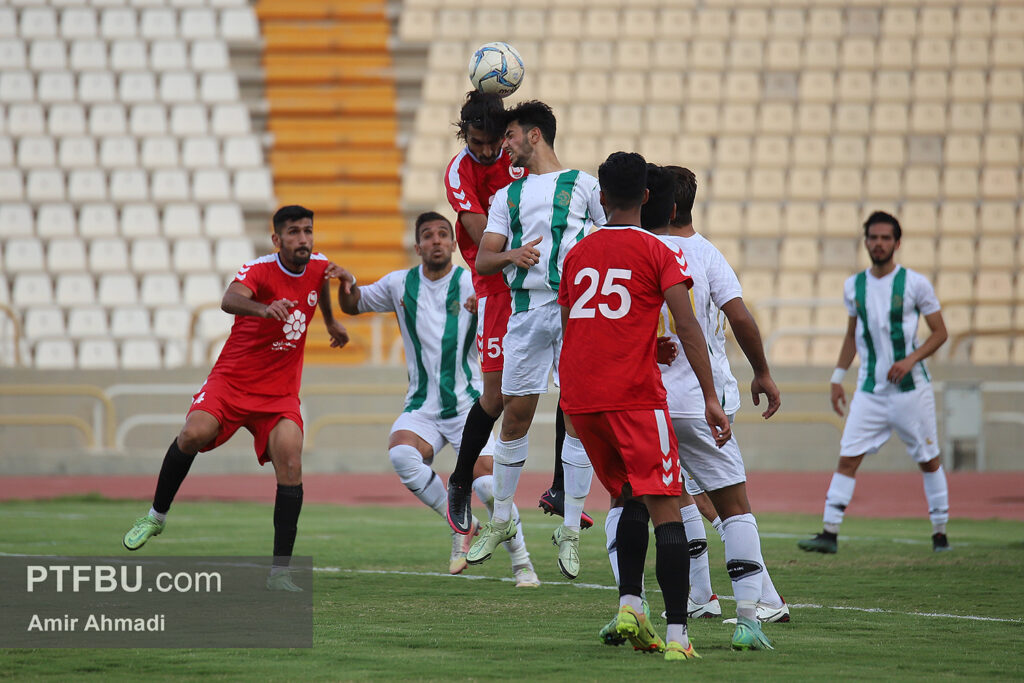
point(491, 536)
point(749, 636)
point(674, 652)
point(142, 530)
point(637, 628)
point(282, 581)
point(568, 542)
point(822, 543)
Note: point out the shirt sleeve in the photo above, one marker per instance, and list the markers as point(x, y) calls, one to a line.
point(461, 190)
point(849, 298)
point(672, 265)
point(594, 204)
point(924, 294)
point(249, 275)
point(722, 280)
point(568, 270)
point(498, 218)
point(377, 297)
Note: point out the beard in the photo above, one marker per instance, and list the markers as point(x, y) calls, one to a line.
point(881, 259)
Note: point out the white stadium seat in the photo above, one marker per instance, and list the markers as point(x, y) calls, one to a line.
point(117, 23)
point(253, 187)
point(128, 186)
point(12, 54)
point(150, 255)
point(48, 54)
point(148, 119)
point(36, 152)
point(84, 322)
point(219, 87)
point(11, 185)
point(231, 119)
point(119, 152)
point(24, 119)
point(55, 220)
point(178, 86)
point(45, 185)
point(159, 289)
point(77, 152)
point(192, 255)
point(38, 22)
point(117, 289)
point(31, 289)
point(75, 289)
point(168, 55)
point(137, 87)
point(223, 220)
point(56, 87)
point(16, 220)
point(88, 54)
point(54, 354)
point(159, 152)
point(200, 152)
point(197, 24)
point(107, 119)
point(16, 86)
point(97, 354)
point(128, 55)
point(87, 185)
point(66, 119)
point(243, 152)
point(170, 185)
point(212, 185)
point(96, 86)
point(182, 220)
point(65, 255)
point(230, 253)
point(141, 354)
point(188, 119)
point(78, 22)
point(139, 220)
point(158, 23)
point(130, 321)
point(202, 288)
point(239, 25)
point(22, 255)
point(209, 55)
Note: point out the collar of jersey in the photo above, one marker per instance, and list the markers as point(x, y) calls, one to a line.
point(285, 270)
point(472, 156)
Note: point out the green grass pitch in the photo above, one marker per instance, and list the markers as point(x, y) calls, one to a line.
point(884, 608)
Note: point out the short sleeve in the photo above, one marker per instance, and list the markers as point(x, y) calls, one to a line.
point(461, 190)
point(849, 298)
point(568, 268)
point(924, 294)
point(671, 263)
point(378, 296)
point(722, 280)
point(594, 205)
point(251, 276)
point(498, 218)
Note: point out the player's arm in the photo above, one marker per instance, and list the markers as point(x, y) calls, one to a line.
point(238, 301)
point(337, 331)
point(492, 257)
point(695, 347)
point(474, 223)
point(748, 336)
point(936, 339)
point(846, 354)
point(349, 296)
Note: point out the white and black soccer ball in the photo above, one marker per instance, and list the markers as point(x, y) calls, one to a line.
point(496, 68)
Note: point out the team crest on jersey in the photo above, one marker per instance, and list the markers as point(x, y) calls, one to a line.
point(897, 301)
point(312, 298)
point(516, 172)
point(563, 198)
point(453, 308)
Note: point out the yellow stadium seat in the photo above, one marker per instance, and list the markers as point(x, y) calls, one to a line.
point(821, 54)
point(848, 150)
point(783, 55)
point(704, 86)
point(801, 218)
point(825, 350)
point(899, 22)
point(962, 150)
point(883, 183)
point(895, 53)
point(960, 183)
point(729, 183)
point(995, 285)
point(995, 252)
point(742, 86)
point(725, 219)
point(967, 117)
point(957, 252)
point(844, 183)
point(787, 22)
point(707, 55)
point(1000, 183)
point(1002, 149)
point(920, 257)
point(763, 218)
point(665, 86)
point(958, 218)
point(814, 118)
point(998, 218)
point(1005, 116)
point(776, 118)
point(951, 285)
point(817, 86)
point(919, 218)
point(889, 118)
point(990, 351)
point(733, 151)
point(810, 152)
point(770, 151)
point(806, 183)
point(693, 152)
point(767, 183)
point(892, 86)
point(921, 182)
point(790, 350)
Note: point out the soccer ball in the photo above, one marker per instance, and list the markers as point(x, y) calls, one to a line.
point(496, 68)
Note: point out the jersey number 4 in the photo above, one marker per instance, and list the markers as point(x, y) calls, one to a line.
point(608, 288)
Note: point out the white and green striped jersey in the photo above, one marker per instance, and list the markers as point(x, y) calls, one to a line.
point(887, 311)
point(559, 207)
point(439, 335)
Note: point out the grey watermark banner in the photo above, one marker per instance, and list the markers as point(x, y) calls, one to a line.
point(153, 602)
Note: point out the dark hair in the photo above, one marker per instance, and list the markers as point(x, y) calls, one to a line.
point(883, 217)
point(534, 114)
point(623, 178)
point(428, 216)
point(287, 214)
point(485, 111)
point(657, 212)
point(686, 191)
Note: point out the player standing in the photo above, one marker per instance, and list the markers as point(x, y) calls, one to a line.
point(532, 224)
point(894, 391)
point(615, 282)
point(430, 302)
point(255, 381)
point(471, 179)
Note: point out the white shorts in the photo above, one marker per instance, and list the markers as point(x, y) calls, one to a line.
point(532, 345)
point(710, 467)
point(874, 417)
point(436, 431)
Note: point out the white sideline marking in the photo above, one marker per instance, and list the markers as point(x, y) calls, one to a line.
point(597, 586)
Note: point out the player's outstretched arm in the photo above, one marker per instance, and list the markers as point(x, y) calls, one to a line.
point(936, 339)
point(238, 301)
point(695, 348)
point(349, 295)
point(748, 336)
point(846, 354)
point(337, 331)
point(474, 223)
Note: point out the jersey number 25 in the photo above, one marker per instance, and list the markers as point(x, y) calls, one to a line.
point(608, 288)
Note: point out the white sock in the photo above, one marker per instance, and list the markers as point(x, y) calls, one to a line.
point(419, 478)
point(677, 634)
point(769, 596)
point(611, 527)
point(634, 601)
point(509, 457)
point(936, 491)
point(578, 475)
point(744, 562)
point(716, 524)
point(697, 540)
point(158, 516)
point(840, 492)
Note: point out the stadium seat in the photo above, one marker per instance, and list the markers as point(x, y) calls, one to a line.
point(202, 288)
point(231, 253)
point(56, 87)
point(998, 217)
point(87, 185)
point(150, 255)
point(141, 354)
point(790, 351)
point(16, 220)
point(64, 255)
point(76, 152)
point(66, 119)
point(230, 119)
point(995, 252)
point(189, 120)
point(160, 289)
point(24, 119)
point(172, 322)
point(11, 185)
point(200, 152)
point(55, 220)
point(128, 185)
point(958, 218)
point(87, 321)
point(253, 186)
point(31, 289)
point(957, 252)
point(23, 255)
point(130, 321)
point(953, 286)
point(36, 152)
point(107, 119)
point(999, 183)
point(192, 255)
point(800, 254)
point(921, 182)
point(139, 220)
point(213, 185)
point(97, 354)
point(219, 87)
point(921, 257)
point(117, 289)
point(119, 151)
point(43, 321)
point(54, 354)
point(830, 285)
point(74, 289)
point(45, 185)
point(223, 220)
point(170, 185)
point(820, 54)
point(762, 218)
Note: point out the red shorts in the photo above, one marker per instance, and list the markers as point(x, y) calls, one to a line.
point(234, 409)
point(493, 310)
point(634, 446)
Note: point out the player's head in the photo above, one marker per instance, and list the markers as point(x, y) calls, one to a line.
point(623, 178)
point(686, 191)
point(435, 240)
point(660, 207)
point(882, 235)
point(293, 234)
point(481, 125)
point(528, 124)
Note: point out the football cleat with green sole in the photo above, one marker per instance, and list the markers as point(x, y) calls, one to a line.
point(637, 628)
point(142, 530)
point(568, 542)
point(491, 536)
point(749, 636)
point(675, 652)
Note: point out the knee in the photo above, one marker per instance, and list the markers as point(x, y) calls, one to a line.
point(192, 438)
point(491, 401)
point(484, 466)
point(288, 469)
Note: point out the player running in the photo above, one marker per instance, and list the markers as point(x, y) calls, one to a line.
point(894, 391)
point(472, 178)
point(255, 381)
point(533, 223)
point(436, 310)
point(613, 287)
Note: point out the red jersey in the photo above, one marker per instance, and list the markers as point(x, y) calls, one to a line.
point(613, 284)
point(264, 355)
point(470, 186)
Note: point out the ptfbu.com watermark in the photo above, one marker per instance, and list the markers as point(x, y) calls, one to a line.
point(153, 602)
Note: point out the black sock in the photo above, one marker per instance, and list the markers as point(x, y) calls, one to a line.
point(558, 482)
point(172, 472)
point(826, 534)
point(474, 438)
point(673, 569)
point(287, 507)
point(631, 541)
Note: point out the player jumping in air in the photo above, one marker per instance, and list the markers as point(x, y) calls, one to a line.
point(255, 381)
point(532, 225)
point(894, 391)
point(472, 178)
point(436, 310)
point(613, 287)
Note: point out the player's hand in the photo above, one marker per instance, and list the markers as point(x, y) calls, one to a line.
point(666, 350)
point(527, 255)
point(348, 280)
point(719, 423)
point(279, 309)
point(838, 398)
point(899, 370)
point(339, 335)
point(766, 385)
point(471, 304)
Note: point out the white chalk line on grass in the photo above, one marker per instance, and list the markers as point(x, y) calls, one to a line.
point(597, 586)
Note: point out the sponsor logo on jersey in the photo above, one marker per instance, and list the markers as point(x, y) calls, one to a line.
point(563, 198)
point(282, 346)
point(516, 172)
point(312, 298)
point(295, 325)
point(200, 398)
